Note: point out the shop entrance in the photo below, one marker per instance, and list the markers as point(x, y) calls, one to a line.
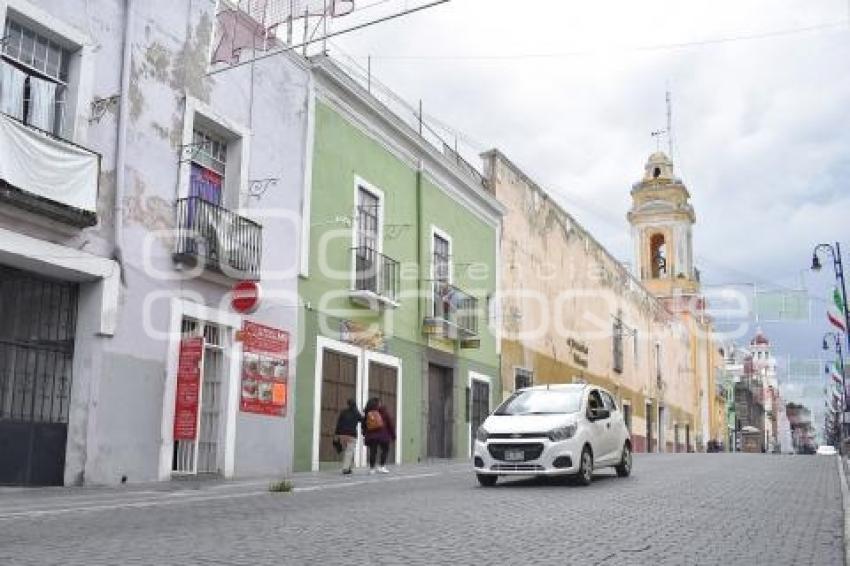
point(37, 330)
point(204, 454)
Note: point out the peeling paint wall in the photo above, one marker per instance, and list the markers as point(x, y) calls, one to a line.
point(119, 382)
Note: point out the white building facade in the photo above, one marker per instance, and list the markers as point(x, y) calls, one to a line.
point(138, 184)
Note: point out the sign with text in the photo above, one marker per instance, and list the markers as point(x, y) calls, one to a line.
point(188, 389)
point(265, 369)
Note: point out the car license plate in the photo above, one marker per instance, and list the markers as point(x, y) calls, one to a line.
point(514, 455)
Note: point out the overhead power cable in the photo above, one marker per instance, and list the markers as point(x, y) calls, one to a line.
point(637, 48)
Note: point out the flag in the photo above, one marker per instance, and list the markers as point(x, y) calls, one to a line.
point(832, 370)
point(835, 312)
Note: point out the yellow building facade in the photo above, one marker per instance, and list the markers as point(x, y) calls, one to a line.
point(571, 312)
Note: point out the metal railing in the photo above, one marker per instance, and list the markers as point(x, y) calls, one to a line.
point(218, 237)
point(456, 307)
point(376, 273)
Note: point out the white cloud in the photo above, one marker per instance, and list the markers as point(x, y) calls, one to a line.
point(762, 125)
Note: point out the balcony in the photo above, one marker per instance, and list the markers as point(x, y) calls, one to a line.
point(376, 279)
point(47, 175)
point(454, 315)
point(218, 239)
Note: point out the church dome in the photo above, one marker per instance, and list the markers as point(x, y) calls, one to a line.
point(760, 339)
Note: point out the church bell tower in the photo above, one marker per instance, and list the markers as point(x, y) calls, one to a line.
point(662, 220)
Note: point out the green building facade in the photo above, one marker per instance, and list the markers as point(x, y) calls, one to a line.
point(398, 282)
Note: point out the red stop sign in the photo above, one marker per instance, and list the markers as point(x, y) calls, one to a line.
point(245, 297)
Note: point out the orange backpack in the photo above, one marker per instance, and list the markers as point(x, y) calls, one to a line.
point(374, 420)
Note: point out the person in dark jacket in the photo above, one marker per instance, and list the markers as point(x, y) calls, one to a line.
point(379, 431)
point(346, 433)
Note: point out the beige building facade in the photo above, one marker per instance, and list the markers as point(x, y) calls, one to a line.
point(571, 312)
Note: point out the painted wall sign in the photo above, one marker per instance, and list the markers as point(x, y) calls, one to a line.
point(265, 369)
point(580, 352)
point(245, 297)
point(188, 389)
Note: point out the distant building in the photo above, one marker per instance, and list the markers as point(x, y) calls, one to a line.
point(764, 367)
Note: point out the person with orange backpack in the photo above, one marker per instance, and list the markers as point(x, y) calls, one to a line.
point(379, 431)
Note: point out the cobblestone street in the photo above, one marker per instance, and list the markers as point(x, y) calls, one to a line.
point(675, 509)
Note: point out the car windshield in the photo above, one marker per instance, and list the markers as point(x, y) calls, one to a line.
point(542, 402)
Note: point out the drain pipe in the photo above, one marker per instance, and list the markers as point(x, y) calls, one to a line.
point(121, 144)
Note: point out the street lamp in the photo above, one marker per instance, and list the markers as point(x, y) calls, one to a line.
point(836, 340)
point(835, 253)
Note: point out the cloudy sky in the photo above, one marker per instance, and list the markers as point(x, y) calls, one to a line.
point(572, 90)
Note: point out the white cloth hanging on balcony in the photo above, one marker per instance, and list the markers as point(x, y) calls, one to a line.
point(12, 90)
point(48, 167)
point(42, 106)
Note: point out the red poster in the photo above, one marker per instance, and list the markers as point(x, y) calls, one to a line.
point(265, 369)
point(188, 389)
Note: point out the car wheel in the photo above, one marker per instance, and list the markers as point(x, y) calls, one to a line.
point(487, 480)
point(585, 469)
point(624, 468)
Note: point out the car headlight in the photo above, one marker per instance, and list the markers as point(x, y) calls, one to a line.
point(481, 435)
point(562, 433)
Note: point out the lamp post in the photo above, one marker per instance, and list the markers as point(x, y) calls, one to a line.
point(835, 253)
point(838, 268)
point(836, 341)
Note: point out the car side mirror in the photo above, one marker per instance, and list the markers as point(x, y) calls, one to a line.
point(599, 414)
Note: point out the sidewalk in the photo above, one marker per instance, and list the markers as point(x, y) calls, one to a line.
point(20, 502)
point(844, 473)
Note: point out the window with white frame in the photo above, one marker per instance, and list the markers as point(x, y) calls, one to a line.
point(441, 250)
point(367, 240)
point(33, 76)
point(209, 164)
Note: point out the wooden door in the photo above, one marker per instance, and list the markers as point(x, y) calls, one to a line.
point(339, 384)
point(440, 412)
point(383, 384)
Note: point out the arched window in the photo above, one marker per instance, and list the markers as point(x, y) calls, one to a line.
point(658, 255)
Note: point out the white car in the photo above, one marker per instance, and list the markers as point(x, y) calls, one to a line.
point(553, 430)
point(826, 450)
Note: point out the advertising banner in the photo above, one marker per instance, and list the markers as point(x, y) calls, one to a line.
point(265, 369)
point(188, 389)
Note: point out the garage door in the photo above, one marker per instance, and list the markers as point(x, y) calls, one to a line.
point(37, 323)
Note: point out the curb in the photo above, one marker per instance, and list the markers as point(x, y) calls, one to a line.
point(845, 503)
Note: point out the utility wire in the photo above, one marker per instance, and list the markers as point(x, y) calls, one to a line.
point(843, 24)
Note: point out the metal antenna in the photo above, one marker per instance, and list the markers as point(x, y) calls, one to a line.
point(669, 100)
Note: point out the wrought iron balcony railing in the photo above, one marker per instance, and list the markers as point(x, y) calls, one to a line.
point(376, 273)
point(456, 309)
point(219, 238)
